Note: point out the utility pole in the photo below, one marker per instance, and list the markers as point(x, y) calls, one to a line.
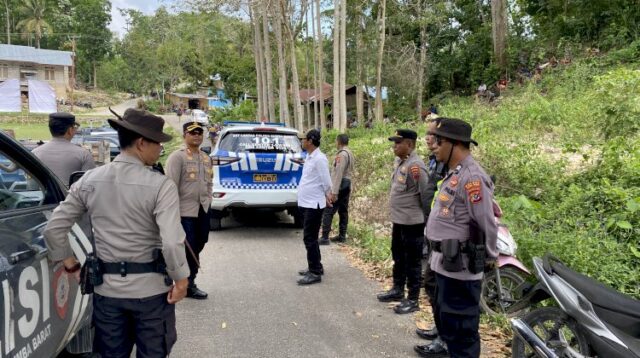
point(73, 68)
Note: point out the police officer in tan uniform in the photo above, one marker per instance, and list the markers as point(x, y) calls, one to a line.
point(191, 170)
point(134, 212)
point(463, 235)
point(410, 203)
point(60, 155)
point(341, 188)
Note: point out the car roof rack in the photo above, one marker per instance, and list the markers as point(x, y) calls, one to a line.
point(240, 123)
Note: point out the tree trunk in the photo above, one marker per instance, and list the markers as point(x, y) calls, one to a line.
point(6, 6)
point(359, 69)
point(284, 103)
point(382, 9)
point(499, 32)
point(336, 106)
point(320, 86)
point(257, 54)
point(269, 67)
point(343, 66)
point(316, 119)
point(308, 115)
point(297, 107)
point(95, 75)
point(421, 66)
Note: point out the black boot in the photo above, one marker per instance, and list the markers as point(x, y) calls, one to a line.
point(324, 241)
point(428, 334)
point(435, 349)
point(407, 306)
point(194, 292)
point(394, 294)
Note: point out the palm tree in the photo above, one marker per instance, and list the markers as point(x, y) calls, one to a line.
point(33, 19)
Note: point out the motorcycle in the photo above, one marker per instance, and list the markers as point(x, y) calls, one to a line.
point(502, 287)
point(592, 320)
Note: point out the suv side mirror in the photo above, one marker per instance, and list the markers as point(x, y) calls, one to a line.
point(206, 149)
point(75, 176)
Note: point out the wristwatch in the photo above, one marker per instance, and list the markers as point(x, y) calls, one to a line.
point(73, 268)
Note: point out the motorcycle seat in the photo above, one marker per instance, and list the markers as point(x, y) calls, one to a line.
point(599, 294)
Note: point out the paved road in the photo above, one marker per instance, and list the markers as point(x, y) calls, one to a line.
point(256, 309)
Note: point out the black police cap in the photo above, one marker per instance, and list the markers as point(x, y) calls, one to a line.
point(192, 126)
point(403, 134)
point(62, 118)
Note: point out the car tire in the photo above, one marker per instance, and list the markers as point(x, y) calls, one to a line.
point(215, 220)
point(297, 219)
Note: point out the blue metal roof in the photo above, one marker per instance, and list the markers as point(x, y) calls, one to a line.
point(35, 55)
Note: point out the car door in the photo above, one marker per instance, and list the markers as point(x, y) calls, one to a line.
point(41, 305)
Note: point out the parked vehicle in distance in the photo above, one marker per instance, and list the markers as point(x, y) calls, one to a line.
point(198, 115)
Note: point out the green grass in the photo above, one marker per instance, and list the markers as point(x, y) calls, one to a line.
point(171, 146)
point(33, 131)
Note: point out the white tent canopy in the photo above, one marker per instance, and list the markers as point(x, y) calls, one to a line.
point(10, 96)
point(42, 97)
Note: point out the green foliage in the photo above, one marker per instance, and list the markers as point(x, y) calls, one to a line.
point(566, 154)
point(245, 111)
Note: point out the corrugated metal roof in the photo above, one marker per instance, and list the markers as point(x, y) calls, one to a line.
point(35, 55)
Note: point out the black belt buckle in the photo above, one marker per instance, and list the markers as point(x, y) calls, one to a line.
point(123, 268)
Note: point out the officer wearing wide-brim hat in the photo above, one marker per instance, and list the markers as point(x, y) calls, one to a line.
point(461, 220)
point(191, 170)
point(409, 205)
point(61, 156)
point(135, 214)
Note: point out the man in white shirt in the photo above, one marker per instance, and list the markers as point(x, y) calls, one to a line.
point(314, 194)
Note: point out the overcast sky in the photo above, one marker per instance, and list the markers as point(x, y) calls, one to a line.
point(146, 6)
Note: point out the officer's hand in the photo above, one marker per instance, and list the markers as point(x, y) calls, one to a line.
point(178, 291)
point(490, 265)
point(330, 200)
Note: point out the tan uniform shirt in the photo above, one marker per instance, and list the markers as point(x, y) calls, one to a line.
point(133, 211)
point(465, 198)
point(342, 168)
point(193, 175)
point(63, 158)
point(409, 198)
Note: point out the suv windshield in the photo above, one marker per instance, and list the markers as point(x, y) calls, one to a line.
point(261, 142)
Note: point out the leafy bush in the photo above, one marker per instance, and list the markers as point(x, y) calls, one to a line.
point(566, 153)
point(246, 110)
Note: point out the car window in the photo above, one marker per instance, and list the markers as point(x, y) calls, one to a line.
point(260, 142)
point(18, 189)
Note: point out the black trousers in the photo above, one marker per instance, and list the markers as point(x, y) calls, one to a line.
point(197, 231)
point(406, 250)
point(342, 207)
point(312, 218)
point(458, 311)
point(149, 323)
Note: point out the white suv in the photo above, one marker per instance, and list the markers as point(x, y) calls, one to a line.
point(256, 165)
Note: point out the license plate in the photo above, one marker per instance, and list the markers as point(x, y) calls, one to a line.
point(265, 178)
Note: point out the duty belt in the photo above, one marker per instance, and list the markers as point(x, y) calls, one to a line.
point(437, 246)
point(123, 268)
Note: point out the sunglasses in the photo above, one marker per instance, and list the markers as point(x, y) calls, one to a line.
point(196, 133)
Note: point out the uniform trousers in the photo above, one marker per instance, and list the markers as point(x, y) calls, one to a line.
point(197, 231)
point(458, 310)
point(312, 218)
point(342, 207)
point(406, 249)
point(149, 323)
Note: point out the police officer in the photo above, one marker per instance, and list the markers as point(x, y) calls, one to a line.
point(341, 187)
point(463, 234)
point(60, 155)
point(437, 171)
point(190, 168)
point(134, 212)
point(409, 200)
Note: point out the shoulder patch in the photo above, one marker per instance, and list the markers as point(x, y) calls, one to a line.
point(474, 191)
point(415, 172)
